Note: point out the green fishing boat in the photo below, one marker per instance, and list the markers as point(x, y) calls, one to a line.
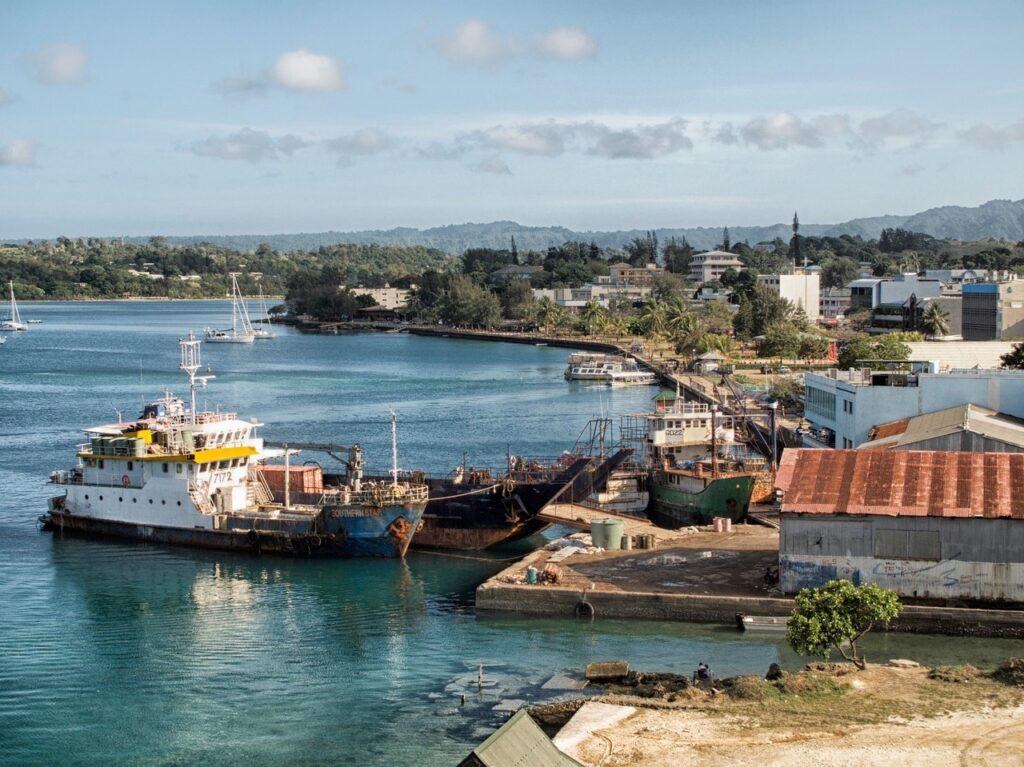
point(694, 496)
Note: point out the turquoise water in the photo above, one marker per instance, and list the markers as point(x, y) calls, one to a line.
point(121, 653)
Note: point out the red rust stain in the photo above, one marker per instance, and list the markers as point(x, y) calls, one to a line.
point(912, 483)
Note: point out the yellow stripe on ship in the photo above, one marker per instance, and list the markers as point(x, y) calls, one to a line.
point(200, 456)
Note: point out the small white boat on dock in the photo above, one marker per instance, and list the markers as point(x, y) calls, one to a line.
point(241, 331)
point(14, 321)
point(770, 623)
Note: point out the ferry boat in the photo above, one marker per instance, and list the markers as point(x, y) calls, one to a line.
point(633, 378)
point(584, 366)
point(180, 476)
point(698, 468)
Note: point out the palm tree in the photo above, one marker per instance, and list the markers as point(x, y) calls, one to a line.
point(617, 325)
point(547, 313)
point(717, 342)
point(653, 318)
point(935, 320)
point(594, 317)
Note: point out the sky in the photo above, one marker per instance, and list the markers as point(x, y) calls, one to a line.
point(226, 117)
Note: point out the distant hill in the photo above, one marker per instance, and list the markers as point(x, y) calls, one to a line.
point(1002, 219)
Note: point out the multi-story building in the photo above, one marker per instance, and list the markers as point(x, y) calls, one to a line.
point(802, 289)
point(386, 297)
point(603, 293)
point(627, 274)
point(842, 406)
point(867, 293)
point(993, 311)
point(712, 264)
point(833, 303)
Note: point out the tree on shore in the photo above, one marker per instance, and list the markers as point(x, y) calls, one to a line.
point(836, 617)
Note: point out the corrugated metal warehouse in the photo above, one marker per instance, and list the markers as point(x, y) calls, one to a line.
point(946, 525)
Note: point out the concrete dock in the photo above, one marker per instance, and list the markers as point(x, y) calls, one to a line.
point(695, 575)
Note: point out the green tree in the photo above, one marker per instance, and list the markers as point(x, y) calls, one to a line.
point(653, 317)
point(517, 301)
point(677, 256)
point(935, 320)
point(761, 309)
point(715, 342)
point(865, 347)
point(782, 340)
point(837, 615)
point(838, 272)
point(593, 317)
point(1014, 359)
point(813, 347)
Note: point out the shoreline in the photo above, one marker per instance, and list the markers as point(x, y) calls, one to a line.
point(140, 299)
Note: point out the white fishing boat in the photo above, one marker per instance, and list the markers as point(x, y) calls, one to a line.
point(264, 330)
point(13, 322)
point(632, 378)
point(241, 331)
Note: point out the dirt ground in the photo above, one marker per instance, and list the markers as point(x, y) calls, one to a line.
point(881, 716)
point(703, 562)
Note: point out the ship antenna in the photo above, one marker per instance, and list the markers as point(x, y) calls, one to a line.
point(190, 364)
point(394, 449)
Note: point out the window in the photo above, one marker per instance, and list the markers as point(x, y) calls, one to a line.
point(167, 468)
point(177, 468)
point(131, 465)
point(101, 463)
point(907, 544)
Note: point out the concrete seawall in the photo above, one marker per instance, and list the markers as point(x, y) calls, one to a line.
point(699, 608)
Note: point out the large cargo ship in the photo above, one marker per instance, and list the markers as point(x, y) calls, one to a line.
point(478, 509)
point(179, 476)
point(699, 469)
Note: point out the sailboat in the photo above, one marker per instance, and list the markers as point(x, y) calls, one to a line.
point(241, 331)
point(264, 331)
point(14, 321)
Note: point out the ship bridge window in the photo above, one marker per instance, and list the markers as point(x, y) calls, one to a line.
point(177, 468)
point(167, 468)
point(131, 465)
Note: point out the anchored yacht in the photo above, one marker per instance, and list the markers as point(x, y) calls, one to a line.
point(241, 331)
point(13, 322)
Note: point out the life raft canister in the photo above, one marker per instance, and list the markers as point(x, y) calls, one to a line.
point(126, 480)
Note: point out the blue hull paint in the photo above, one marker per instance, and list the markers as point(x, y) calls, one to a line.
point(384, 533)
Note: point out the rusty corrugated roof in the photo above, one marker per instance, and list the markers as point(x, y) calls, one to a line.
point(896, 483)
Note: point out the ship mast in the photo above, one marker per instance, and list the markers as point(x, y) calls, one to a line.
point(394, 449)
point(714, 444)
point(190, 364)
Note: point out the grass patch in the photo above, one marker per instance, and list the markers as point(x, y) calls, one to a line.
point(955, 674)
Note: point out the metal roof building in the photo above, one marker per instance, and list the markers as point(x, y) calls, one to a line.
point(932, 524)
point(518, 743)
point(970, 428)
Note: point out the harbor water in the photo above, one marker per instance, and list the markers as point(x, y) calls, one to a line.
point(121, 653)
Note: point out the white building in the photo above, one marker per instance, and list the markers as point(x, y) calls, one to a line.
point(386, 297)
point(842, 406)
point(867, 293)
point(712, 264)
point(802, 289)
point(603, 293)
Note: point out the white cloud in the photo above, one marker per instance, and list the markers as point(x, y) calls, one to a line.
point(18, 152)
point(546, 139)
point(61, 64)
point(566, 43)
point(986, 136)
point(474, 42)
point(492, 164)
point(895, 129)
point(901, 127)
point(305, 71)
point(642, 142)
point(780, 131)
point(363, 142)
point(250, 145)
